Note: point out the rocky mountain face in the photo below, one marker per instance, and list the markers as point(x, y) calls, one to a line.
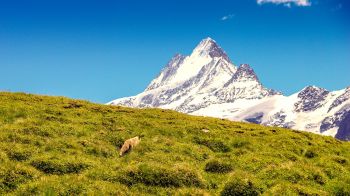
point(207, 83)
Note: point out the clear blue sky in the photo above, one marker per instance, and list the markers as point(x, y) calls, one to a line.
point(101, 50)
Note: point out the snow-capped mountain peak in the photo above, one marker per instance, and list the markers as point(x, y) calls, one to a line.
point(245, 73)
point(311, 98)
point(244, 84)
point(182, 68)
point(209, 47)
point(207, 83)
point(167, 74)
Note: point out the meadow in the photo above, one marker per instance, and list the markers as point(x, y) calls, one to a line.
point(60, 146)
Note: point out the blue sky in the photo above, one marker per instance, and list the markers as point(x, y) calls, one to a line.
point(102, 50)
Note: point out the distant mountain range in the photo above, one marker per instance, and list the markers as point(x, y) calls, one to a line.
point(207, 83)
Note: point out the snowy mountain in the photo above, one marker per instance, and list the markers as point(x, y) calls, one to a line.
point(207, 83)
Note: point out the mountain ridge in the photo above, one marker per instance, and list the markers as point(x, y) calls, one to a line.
point(207, 83)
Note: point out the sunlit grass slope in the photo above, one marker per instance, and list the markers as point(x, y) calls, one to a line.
point(60, 146)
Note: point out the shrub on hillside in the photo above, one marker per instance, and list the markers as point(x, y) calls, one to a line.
point(319, 178)
point(214, 145)
point(341, 160)
point(11, 176)
point(218, 167)
point(59, 167)
point(241, 187)
point(163, 177)
point(19, 155)
point(310, 154)
point(239, 143)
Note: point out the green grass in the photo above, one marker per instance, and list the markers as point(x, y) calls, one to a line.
point(60, 146)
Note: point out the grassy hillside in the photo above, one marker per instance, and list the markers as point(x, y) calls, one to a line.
point(55, 145)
